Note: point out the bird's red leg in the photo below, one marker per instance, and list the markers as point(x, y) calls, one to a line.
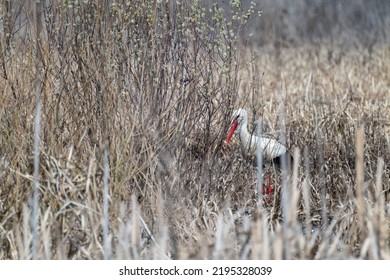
point(269, 188)
point(266, 189)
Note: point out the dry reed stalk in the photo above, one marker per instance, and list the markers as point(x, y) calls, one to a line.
point(106, 202)
point(38, 8)
point(113, 79)
point(360, 189)
point(380, 223)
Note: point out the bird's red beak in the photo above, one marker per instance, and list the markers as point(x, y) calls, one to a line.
point(232, 128)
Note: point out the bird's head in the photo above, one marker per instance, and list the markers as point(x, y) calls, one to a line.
point(239, 117)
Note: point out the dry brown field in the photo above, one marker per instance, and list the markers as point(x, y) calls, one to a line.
point(112, 141)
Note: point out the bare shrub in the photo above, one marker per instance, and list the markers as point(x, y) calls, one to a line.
point(135, 103)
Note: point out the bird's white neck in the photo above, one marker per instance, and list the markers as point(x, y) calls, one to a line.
point(243, 131)
point(245, 137)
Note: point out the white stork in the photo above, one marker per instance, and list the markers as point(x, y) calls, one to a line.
point(271, 149)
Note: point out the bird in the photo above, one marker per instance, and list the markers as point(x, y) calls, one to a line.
point(272, 150)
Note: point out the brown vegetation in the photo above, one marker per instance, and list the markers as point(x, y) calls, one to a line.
point(128, 107)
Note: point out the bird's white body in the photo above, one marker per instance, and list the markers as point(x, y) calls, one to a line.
point(269, 148)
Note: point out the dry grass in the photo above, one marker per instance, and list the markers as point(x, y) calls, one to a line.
point(131, 159)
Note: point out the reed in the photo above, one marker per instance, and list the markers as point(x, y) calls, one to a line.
point(114, 148)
